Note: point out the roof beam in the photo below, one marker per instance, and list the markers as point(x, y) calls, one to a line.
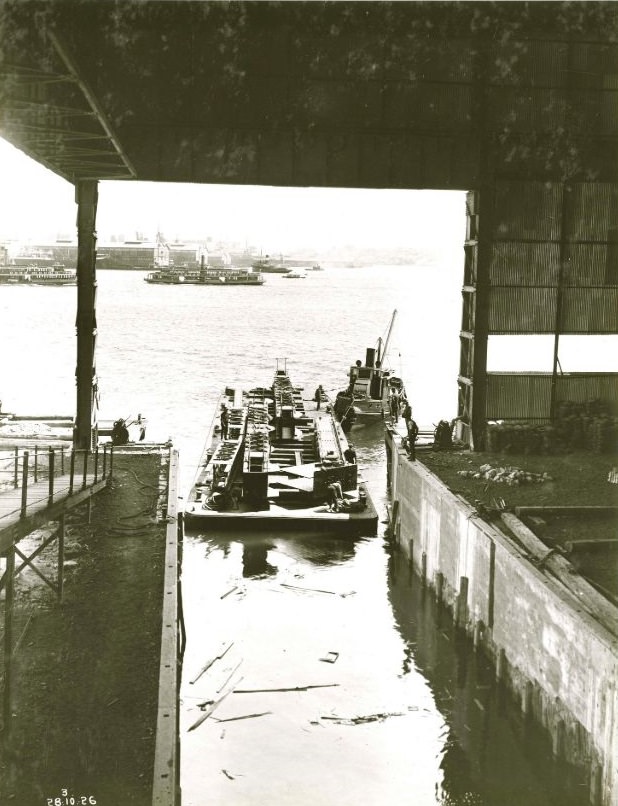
point(91, 99)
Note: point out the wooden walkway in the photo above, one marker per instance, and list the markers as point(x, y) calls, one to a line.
point(18, 517)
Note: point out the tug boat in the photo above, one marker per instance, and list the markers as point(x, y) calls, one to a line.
point(274, 462)
point(366, 400)
point(266, 266)
point(295, 274)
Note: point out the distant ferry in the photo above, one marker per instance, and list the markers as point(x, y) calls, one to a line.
point(37, 275)
point(205, 276)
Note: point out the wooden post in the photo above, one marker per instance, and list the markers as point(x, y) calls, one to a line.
point(16, 472)
point(36, 463)
point(85, 468)
point(104, 461)
point(96, 464)
point(61, 532)
point(52, 462)
point(461, 611)
point(439, 586)
point(86, 196)
point(24, 484)
point(72, 472)
point(478, 634)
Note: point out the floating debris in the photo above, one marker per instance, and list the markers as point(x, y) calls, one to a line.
point(317, 590)
point(212, 709)
point(330, 657)
point(245, 716)
point(229, 677)
point(360, 720)
point(293, 688)
point(210, 663)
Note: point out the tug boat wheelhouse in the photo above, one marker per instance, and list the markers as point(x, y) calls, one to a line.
point(366, 400)
point(275, 464)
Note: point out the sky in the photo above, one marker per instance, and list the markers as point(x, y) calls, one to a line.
point(36, 204)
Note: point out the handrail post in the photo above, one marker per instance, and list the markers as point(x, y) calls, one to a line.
point(96, 464)
point(111, 461)
point(72, 472)
point(52, 461)
point(104, 461)
point(62, 449)
point(36, 463)
point(16, 473)
point(24, 485)
point(85, 467)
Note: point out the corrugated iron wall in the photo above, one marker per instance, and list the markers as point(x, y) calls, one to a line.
point(519, 396)
point(553, 254)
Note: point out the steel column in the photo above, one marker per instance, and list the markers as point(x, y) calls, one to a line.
point(86, 196)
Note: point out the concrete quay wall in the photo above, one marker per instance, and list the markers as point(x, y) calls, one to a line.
point(555, 657)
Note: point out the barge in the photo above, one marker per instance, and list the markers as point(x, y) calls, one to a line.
point(272, 462)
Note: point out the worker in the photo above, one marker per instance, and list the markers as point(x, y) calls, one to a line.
point(225, 419)
point(350, 455)
point(120, 433)
point(334, 496)
point(412, 437)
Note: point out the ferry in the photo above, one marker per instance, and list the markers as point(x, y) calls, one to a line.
point(275, 460)
point(206, 276)
point(56, 275)
point(367, 399)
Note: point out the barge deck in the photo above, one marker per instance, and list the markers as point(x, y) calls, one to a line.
point(279, 461)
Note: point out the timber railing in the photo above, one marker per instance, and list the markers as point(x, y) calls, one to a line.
point(66, 471)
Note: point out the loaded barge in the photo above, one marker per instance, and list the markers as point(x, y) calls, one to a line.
point(273, 463)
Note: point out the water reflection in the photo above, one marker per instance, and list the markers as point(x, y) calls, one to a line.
point(491, 754)
point(388, 692)
point(259, 551)
point(255, 560)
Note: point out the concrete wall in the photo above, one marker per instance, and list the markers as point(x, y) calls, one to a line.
point(559, 661)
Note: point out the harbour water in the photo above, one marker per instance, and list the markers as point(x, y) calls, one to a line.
point(342, 683)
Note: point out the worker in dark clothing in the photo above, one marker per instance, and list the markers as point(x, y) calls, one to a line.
point(225, 419)
point(350, 455)
point(318, 396)
point(412, 437)
point(407, 411)
point(120, 433)
point(394, 405)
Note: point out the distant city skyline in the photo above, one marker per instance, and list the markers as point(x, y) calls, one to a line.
point(37, 205)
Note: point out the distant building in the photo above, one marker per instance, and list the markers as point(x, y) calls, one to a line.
point(140, 255)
